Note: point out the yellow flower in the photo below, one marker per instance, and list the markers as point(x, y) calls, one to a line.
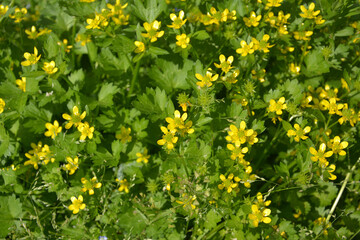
point(253, 20)
point(207, 79)
point(64, 43)
point(348, 115)
point(177, 122)
point(3, 9)
point(90, 185)
point(124, 185)
point(225, 65)
point(87, 1)
point(86, 131)
point(83, 38)
point(124, 135)
point(245, 48)
point(75, 118)
point(259, 75)
point(277, 106)
point(33, 34)
point(298, 132)
point(232, 78)
point(152, 31)
point(294, 68)
point(303, 35)
point(182, 40)
point(247, 178)
point(309, 13)
point(168, 138)
point(98, 22)
point(227, 183)
point(49, 67)
point(239, 136)
point(77, 204)
point(2, 105)
point(21, 83)
point(321, 155)
point(263, 44)
point(140, 47)
point(237, 152)
point(121, 19)
point(226, 15)
point(143, 157)
point(31, 58)
point(337, 146)
point(273, 3)
point(177, 21)
point(117, 8)
point(319, 20)
point(187, 201)
point(72, 165)
point(331, 169)
point(259, 211)
point(331, 106)
point(19, 14)
point(53, 129)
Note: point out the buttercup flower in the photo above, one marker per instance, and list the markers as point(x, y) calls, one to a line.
point(53, 129)
point(207, 79)
point(77, 204)
point(263, 44)
point(177, 21)
point(2, 105)
point(86, 131)
point(49, 67)
point(33, 34)
point(117, 8)
point(168, 138)
point(253, 20)
point(309, 13)
point(187, 201)
point(303, 35)
point(124, 135)
point(124, 185)
point(21, 83)
point(225, 64)
point(245, 48)
point(31, 58)
point(177, 122)
point(226, 15)
point(140, 47)
point(278, 106)
point(64, 43)
point(3, 9)
point(228, 183)
point(152, 31)
point(239, 136)
point(331, 169)
point(299, 133)
point(321, 155)
point(72, 165)
point(273, 3)
point(90, 185)
point(143, 157)
point(259, 211)
point(75, 118)
point(294, 68)
point(182, 40)
point(19, 14)
point(337, 146)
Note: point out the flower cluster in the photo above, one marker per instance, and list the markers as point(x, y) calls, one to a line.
point(175, 125)
point(255, 45)
point(40, 154)
point(259, 211)
point(214, 18)
point(75, 119)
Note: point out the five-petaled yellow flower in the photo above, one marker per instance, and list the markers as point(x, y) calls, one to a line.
point(77, 204)
point(49, 67)
point(337, 146)
point(140, 47)
point(187, 201)
point(168, 138)
point(303, 35)
point(31, 58)
point(177, 21)
point(177, 122)
point(143, 157)
point(3, 9)
point(309, 13)
point(228, 183)
point(90, 185)
point(253, 20)
point(299, 133)
point(86, 131)
point(21, 83)
point(321, 155)
point(263, 44)
point(72, 165)
point(33, 34)
point(152, 31)
point(278, 106)
point(259, 211)
point(241, 135)
point(124, 185)
point(225, 64)
point(273, 3)
point(124, 135)
point(245, 48)
point(53, 129)
point(19, 14)
point(75, 118)
point(2, 105)
point(182, 40)
point(207, 79)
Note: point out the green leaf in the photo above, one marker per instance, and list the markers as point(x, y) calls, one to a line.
point(157, 51)
point(51, 46)
point(200, 35)
point(106, 94)
point(77, 76)
point(123, 44)
point(286, 125)
point(348, 31)
point(212, 218)
point(153, 9)
point(316, 64)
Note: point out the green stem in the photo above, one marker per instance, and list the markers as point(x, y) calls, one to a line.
point(133, 80)
point(214, 231)
point(341, 191)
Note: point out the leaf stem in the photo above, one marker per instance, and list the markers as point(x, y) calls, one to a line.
point(133, 80)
